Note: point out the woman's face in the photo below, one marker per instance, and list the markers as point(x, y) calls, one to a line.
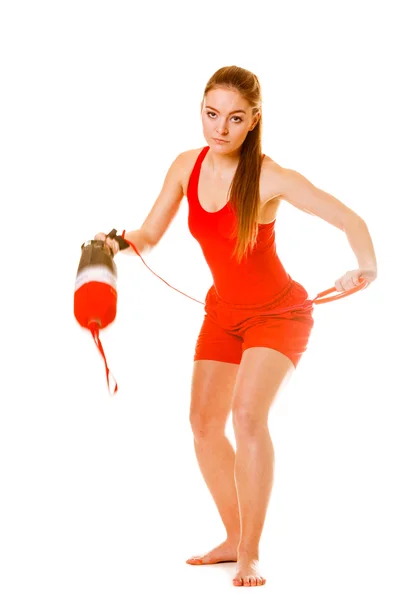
point(227, 116)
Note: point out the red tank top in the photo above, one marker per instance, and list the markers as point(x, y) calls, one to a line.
point(260, 277)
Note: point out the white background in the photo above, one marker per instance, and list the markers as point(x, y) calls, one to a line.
point(101, 496)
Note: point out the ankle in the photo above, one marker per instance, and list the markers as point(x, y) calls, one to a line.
point(248, 552)
point(233, 540)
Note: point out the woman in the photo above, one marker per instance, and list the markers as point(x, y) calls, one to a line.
point(251, 341)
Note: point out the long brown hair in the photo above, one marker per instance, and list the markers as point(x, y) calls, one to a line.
point(244, 189)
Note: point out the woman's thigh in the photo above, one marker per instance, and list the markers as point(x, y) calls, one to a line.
point(211, 395)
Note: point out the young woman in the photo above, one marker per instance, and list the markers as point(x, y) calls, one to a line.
point(251, 341)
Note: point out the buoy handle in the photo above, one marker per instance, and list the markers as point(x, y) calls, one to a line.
point(319, 299)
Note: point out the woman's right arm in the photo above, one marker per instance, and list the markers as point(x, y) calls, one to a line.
point(161, 214)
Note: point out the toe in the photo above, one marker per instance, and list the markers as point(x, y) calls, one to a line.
point(195, 560)
point(238, 581)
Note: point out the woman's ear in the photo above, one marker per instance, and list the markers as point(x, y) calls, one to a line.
point(255, 122)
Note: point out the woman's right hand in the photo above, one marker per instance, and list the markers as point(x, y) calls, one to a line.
point(113, 244)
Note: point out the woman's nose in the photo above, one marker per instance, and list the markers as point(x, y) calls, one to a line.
point(222, 128)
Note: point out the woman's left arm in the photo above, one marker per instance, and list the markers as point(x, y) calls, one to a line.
point(302, 194)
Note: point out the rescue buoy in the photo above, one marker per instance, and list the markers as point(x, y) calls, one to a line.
point(95, 297)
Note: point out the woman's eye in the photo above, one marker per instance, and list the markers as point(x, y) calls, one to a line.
point(213, 113)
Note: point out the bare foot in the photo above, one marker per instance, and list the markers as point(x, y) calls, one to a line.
point(225, 552)
point(248, 573)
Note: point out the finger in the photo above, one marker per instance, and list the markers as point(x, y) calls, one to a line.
point(349, 285)
point(352, 282)
point(108, 241)
point(113, 245)
point(338, 285)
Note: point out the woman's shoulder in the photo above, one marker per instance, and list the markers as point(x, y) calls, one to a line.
point(270, 180)
point(272, 168)
point(191, 155)
point(268, 163)
point(188, 160)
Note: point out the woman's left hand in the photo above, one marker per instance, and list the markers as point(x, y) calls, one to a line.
point(353, 278)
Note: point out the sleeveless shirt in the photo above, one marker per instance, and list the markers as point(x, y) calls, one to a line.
point(260, 277)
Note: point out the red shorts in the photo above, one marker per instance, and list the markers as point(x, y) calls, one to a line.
point(229, 329)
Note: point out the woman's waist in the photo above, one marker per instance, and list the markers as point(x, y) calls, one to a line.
point(245, 292)
point(291, 297)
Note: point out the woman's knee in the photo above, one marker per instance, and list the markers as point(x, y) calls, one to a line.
point(204, 429)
